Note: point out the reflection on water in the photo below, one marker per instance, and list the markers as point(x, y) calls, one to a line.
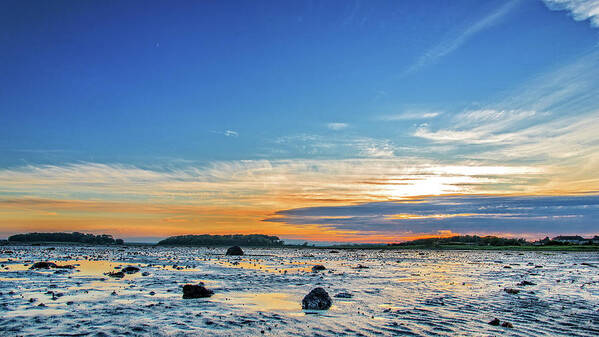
point(262, 301)
point(399, 293)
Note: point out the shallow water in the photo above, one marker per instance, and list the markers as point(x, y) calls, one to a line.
point(405, 293)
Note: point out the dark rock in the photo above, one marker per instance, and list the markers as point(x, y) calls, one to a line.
point(318, 267)
point(494, 322)
point(145, 273)
point(361, 267)
point(235, 250)
point(511, 291)
point(344, 295)
point(526, 283)
point(334, 252)
point(66, 266)
point(196, 291)
point(116, 274)
point(507, 325)
point(317, 299)
point(43, 265)
point(130, 270)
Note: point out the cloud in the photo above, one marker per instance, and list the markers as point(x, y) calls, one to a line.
point(448, 46)
point(579, 9)
point(479, 127)
point(410, 116)
point(236, 196)
point(337, 126)
point(231, 133)
point(525, 215)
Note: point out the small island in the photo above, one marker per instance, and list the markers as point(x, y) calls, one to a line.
point(253, 240)
point(74, 237)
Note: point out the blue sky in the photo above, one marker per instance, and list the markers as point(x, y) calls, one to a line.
point(269, 105)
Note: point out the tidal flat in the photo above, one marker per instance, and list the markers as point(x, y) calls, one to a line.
point(374, 292)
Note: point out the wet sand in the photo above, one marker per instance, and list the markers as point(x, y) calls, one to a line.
point(398, 293)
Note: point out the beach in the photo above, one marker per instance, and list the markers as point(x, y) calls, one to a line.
point(374, 292)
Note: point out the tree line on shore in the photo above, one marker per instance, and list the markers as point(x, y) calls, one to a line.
point(256, 240)
point(261, 240)
point(498, 241)
point(74, 237)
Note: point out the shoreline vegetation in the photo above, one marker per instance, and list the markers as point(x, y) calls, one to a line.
point(458, 242)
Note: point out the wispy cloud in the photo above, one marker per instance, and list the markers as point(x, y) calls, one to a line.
point(480, 127)
point(410, 116)
point(579, 9)
point(451, 44)
point(337, 126)
point(227, 133)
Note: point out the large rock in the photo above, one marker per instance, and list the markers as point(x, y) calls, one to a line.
point(235, 250)
point(196, 291)
point(317, 299)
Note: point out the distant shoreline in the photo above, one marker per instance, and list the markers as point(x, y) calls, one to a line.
point(565, 248)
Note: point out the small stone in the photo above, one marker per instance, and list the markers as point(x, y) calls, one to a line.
point(344, 295)
point(511, 291)
point(196, 291)
point(130, 270)
point(318, 267)
point(117, 274)
point(507, 325)
point(43, 265)
point(494, 322)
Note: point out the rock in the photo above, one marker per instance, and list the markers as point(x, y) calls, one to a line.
point(145, 273)
point(511, 291)
point(526, 283)
point(66, 266)
point(334, 252)
point(507, 325)
point(48, 265)
point(344, 295)
point(130, 270)
point(494, 322)
point(43, 265)
point(317, 299)
point(196, 291)
point(361, 267)
point(116, 274)
point(235, 250)
point(318, 267)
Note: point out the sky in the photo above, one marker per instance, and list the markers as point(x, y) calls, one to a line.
point(336, 121)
